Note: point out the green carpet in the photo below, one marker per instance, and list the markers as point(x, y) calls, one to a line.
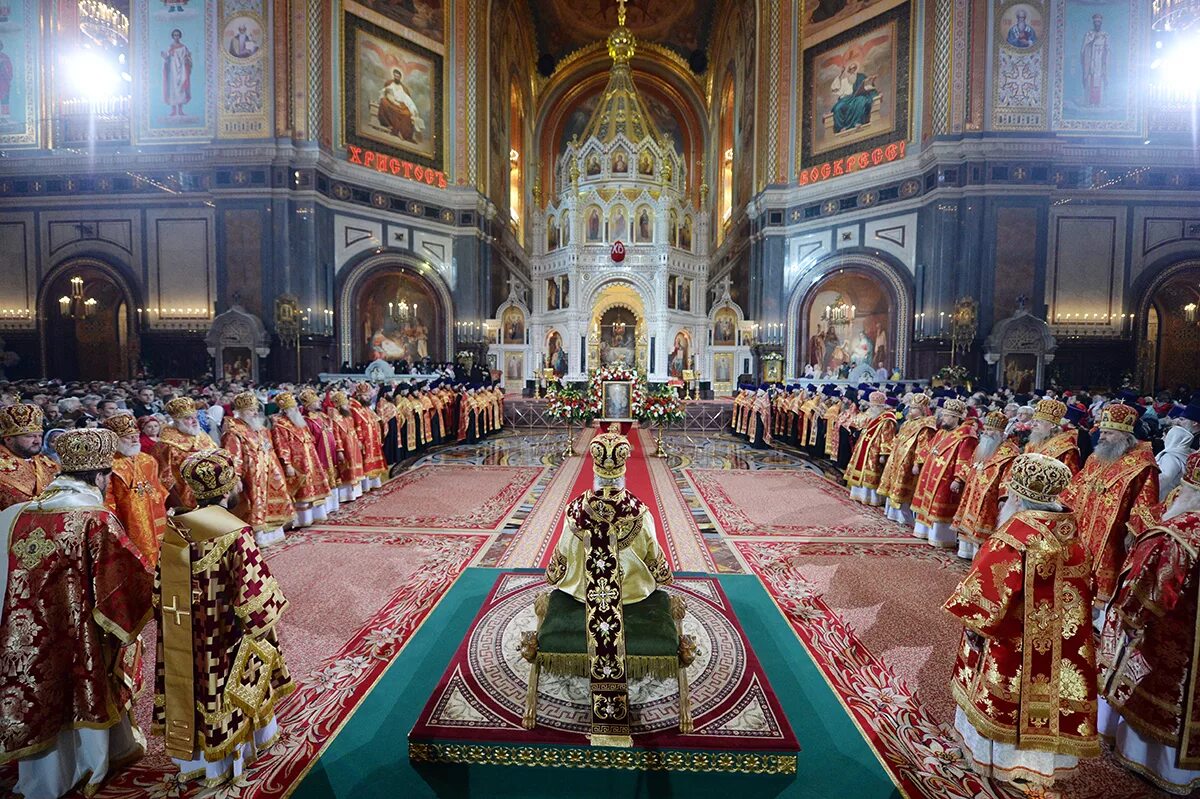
point(369, 758)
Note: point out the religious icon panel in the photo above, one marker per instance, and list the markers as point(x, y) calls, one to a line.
point(393, 93)
point(618, 398)
point(849, 323)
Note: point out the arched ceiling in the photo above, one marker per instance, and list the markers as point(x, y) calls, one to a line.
point(563, 26)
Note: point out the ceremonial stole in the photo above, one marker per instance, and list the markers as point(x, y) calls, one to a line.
point(605, 628)
point(175, 604)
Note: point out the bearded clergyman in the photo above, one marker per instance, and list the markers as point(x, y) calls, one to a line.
point(135, 492)
point(176, 442)
point(1117, 486)
point(942, 473)
point(307, 480)
point(979, 510)
point(869, 456)
point(1046, 434)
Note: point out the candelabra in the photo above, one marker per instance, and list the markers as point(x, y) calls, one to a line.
point(76, 306)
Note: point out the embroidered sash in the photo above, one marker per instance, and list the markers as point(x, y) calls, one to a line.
point(605, 627)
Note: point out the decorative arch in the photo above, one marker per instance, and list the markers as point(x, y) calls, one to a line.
point(1019, 348)
point(637, 284)
point(353, 276)
point(892, 279)
point(127, 322)
point(1152, 327)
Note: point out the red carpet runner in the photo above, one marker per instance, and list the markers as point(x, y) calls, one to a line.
point(637, 481)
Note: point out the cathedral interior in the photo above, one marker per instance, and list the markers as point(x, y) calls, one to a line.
point(718, 373)
point(416, 178)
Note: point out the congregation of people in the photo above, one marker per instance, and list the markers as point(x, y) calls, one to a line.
point(1080, 517)
point(125, 502)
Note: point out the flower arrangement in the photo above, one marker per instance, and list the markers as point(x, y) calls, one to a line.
point(598, 377)
point(663, 407)
point(953, 376)
point(569, 405)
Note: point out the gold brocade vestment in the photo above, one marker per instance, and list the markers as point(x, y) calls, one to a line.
point(948, 460)
point(77, 595)
point(22, 479)
point(897, 482)
point(643, 565)
point(1063, 447)
point(1106, 497)
point(172, 450)
point(979, 509)
point(220, 671)
point(139, 499)
point(1033, 682)
point(295, 447)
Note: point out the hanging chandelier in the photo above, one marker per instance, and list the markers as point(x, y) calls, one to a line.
point(618, 329)
point(840, 314)
point(1189, 313)
point(402, 312)
point(77, 306)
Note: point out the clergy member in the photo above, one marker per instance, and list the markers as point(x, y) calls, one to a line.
point(1025, 679)
point(24, 470)
point(135, 492)
point(1047, 437)
point(1118, 487)
point(76, 593)
point(979, 510)
point(1147, 654)
point(898, 480)
point(307, 480)
point(325, 441)
point(220, 671)
point(942, 474)
point(350, 463)
point(181, 438)
point(366, 424)
point(263, 507)
point(869, 456)
point(643, 565)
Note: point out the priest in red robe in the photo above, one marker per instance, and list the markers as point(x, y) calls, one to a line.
point(350, 463)
point(1025, 679)
point(869, 456)
point(24, 470)
point(294, 445)
point(76, 593)
point(266, 506)
point(1151, 690)
point(898, 480)
point(1046, 434)
point(325, 442)
point(135, 492)
point(1117, 488)
point(943, 474)
point(979, 510)
point(366, 424)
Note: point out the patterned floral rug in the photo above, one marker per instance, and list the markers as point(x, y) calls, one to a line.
point(354, 601)
point(480, 700)
point(442, 497)
point(791, 502)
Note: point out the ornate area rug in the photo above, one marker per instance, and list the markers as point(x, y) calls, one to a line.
point(474, 714)
point(355, 599)
point(792, 502)
point(848, 602)
point(442, 497)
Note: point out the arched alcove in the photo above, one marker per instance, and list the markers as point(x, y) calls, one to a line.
point(89, 326)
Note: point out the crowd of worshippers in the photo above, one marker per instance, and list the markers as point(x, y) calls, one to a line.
point(1081, 518)
point(139, 508)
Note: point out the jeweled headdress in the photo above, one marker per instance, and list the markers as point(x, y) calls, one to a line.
point(20, 420)
point(1050, 410)
point(123, 424)
point(246, 401)
point(1118, 417)
point(996, 420)
point(610, 451)
point(209, 473)
point(86, 449)
point(1038, 478)
point(180, 408)
point(955, 407)
point(285, 400)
